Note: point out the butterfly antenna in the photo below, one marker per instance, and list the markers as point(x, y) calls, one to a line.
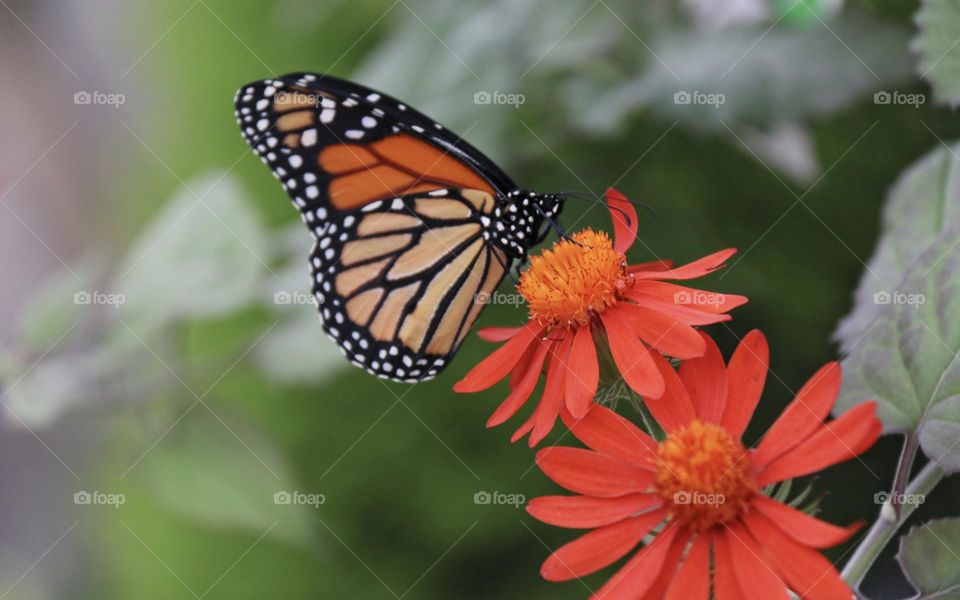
point(597, 200)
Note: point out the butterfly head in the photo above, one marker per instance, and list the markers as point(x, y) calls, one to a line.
point(524, 220)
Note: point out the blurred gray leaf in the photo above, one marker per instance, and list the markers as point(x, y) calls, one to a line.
point(909, 358)
point(939, 31)
point(205, 473)
point(924, 201)
point(195, 259)
point(297, 351)
point(758, 77)
point(502, 46)
point(52, 386)
point(54, 307)
point(930, 557)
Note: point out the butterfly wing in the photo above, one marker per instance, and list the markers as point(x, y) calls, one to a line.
point(399, 207)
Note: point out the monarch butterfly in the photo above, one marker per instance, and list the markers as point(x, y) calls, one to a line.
point(414, 227)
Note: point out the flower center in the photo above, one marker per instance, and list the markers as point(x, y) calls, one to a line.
point(568, 283)
point(703, 475)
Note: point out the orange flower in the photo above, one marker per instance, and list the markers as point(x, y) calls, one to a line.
point(699, 491)
point(581, 293)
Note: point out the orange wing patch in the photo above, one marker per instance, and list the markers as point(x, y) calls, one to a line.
point(394, 166)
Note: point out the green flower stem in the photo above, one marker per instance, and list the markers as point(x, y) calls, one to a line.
point(887, 526)
point(904, 467)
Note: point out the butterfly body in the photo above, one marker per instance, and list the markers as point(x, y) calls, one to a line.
point(412, 224)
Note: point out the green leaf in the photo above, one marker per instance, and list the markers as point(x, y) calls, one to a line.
point(908, 358)
point(923, 202)
point(936, 43)
point(225, 475)
point(198, 258)
point(930, 557)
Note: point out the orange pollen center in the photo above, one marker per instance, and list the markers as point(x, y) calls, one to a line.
point(574, 279)
point(704, 476)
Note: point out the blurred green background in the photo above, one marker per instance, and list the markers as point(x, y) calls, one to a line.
point(202, 395)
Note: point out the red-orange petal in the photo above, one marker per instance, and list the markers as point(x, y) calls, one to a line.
point(673, 410)
point(496, 366)
point(756, 577)
point(609, 433)
point(587, 512)
point(548, 409)
point(685, 314)
point(746, 375)
point(725, 586)
point(803, 528)
point(702, 300)
point(663, 332)
point(695, 269)
point(653, 265)
point(599, 548)
point(671, 567)
point(625, 221)
point(706, 381)
point(693, 580)
point(802, 417)
point(641, 572)
point(583, 373)
point(523, 430)
point(498, 334)
point(806, 571)
point(631, 356)
point(523, 386)
point(591, 473)
point(837, 441)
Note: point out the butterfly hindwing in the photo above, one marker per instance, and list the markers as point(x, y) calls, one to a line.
point(408, 280)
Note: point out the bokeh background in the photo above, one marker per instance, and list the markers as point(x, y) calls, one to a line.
point(157, 352)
